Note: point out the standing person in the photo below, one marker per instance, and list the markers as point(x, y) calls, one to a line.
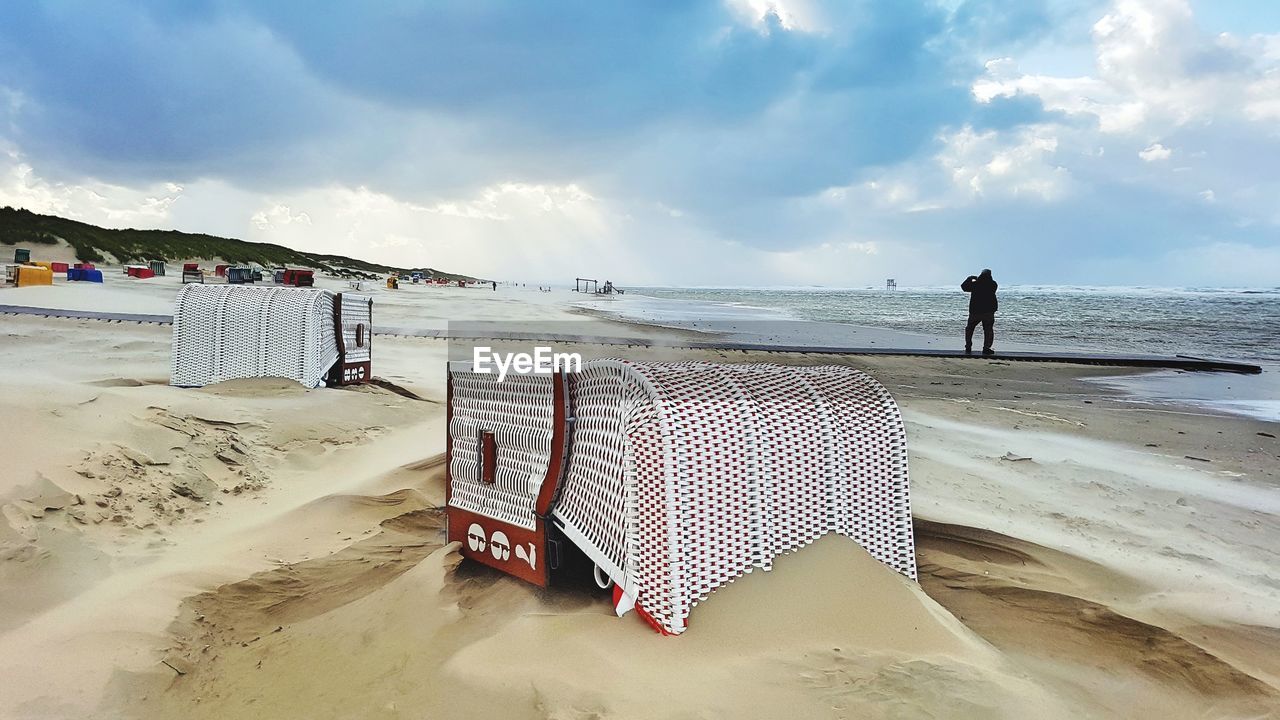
point(982, 309)
point(495, 285)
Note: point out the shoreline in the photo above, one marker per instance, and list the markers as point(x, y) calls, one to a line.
point(1070, 314)
point(1258, 399)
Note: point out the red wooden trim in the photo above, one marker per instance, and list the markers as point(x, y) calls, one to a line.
point(488, 457)
point(337, 327)
point(641, 613)
point(551, 483)
point(522, 554)
point(448, 438)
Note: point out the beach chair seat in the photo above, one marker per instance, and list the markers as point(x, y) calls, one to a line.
point(676, 478)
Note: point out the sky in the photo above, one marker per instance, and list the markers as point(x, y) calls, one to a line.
point(723, 142)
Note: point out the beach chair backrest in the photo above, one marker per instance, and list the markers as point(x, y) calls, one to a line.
point(354, 326)
point(504, 452)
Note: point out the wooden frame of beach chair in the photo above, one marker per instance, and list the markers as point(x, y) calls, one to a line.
point(503, 459)
point(677, 477)
point(353, 329)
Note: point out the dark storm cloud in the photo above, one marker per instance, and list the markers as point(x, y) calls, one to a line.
point(238, 90)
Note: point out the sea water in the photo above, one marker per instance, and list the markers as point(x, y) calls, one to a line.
point(1223, 323)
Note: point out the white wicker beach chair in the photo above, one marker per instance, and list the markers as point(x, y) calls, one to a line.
point(221, 332)
point(675, 478)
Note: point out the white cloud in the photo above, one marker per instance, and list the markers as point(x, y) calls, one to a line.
point(499, 201)
point(278, 215)
point(795, 15)
point(1155, 152)
point(89, 201)
point(1155, 69)
point(986, 164)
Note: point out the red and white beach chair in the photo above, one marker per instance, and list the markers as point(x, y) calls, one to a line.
point(674, 478)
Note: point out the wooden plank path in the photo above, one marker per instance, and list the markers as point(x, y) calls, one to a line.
point(1177, 362)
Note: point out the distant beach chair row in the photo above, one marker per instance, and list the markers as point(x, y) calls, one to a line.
point(38, 272)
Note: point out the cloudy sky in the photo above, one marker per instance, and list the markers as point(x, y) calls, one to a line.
point(741, 142)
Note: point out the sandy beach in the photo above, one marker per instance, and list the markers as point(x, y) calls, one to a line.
point(256, 549)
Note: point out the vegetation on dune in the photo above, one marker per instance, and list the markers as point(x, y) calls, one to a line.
point(94, 244)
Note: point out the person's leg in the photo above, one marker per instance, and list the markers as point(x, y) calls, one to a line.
point(968, 332)
point(988, 332)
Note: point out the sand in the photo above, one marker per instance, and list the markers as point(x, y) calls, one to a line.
point(256, 549)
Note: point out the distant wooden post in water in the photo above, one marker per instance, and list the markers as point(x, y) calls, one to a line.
point(890, 284)
point(585, 285)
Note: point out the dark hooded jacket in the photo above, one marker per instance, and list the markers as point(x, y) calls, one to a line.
point(982, 294)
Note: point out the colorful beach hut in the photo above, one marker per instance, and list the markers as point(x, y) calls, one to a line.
point(298, 278)
point(21, 256)
point(29, 275)
point(157, 267)
point(313, 336)
point(191, 273)
point(676, 478)
point(82, 274)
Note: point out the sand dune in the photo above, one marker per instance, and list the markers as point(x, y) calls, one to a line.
point(1031, 602)
point(467, 642)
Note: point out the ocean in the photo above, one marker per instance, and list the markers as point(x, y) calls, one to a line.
point(1240, 324)
point(1224, 323)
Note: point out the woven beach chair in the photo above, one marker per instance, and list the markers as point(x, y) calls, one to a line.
point(674, 478)
point(28, 275)
point(313, 336)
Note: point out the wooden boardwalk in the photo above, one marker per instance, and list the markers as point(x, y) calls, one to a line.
point(1177, 362)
